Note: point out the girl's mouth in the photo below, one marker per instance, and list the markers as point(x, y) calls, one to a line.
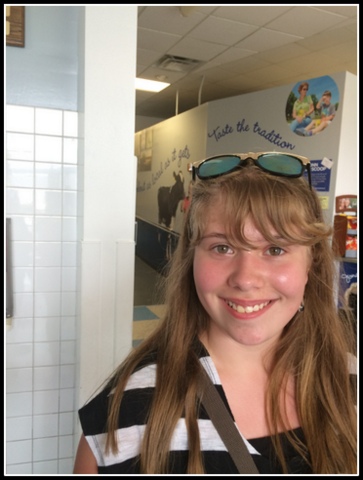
point(248, 308)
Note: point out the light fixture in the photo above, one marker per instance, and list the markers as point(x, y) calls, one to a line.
point(150, 85)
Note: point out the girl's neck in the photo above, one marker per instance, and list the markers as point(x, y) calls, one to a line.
point(226, 353)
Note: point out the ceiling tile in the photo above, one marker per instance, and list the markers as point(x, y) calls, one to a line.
point(219, 30)
point(160, 41)
point(345, 10)
point(253, 15)
point(247, 64)
point(271, 73)
point(226, 57)
point(168, 19)
point(282, 53)
point(305, 21)
point(264, 39)
point(328, 38)
point(147, 57)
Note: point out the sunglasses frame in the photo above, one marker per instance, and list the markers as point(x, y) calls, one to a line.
point(253, 156)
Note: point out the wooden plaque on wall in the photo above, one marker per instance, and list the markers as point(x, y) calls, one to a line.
point(15, 26)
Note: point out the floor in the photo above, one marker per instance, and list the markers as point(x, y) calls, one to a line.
point(147, 311)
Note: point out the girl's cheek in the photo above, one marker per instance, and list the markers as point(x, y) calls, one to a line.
point(205, 272)
point(291, 279)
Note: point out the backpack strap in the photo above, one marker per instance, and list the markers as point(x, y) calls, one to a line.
point(226, 427)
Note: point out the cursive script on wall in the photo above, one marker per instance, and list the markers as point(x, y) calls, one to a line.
point(219, 133)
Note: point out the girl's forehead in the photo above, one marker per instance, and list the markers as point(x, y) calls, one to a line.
point(216, 220)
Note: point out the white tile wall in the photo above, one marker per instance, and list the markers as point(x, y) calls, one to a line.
point(41, 200)
point(19, 146)
point(21, 331)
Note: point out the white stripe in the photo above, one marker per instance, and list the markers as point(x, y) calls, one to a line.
point(209, 438)
point(210, 368)
point(129, 442)
point(144, 378)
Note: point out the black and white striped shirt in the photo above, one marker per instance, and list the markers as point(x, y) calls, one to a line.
point(133, 413)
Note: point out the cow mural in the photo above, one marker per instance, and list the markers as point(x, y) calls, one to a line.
point(168, 200)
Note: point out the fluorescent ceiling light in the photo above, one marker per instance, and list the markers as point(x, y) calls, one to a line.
point(150, 85)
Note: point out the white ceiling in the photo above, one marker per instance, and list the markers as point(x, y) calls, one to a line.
point(242, 49)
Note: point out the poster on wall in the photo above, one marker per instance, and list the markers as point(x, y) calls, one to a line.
point(312, 105)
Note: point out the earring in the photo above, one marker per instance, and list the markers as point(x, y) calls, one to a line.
point(301, 308)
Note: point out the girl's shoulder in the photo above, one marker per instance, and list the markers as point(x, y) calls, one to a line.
point(137, 393)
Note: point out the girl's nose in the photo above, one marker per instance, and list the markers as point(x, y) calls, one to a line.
point(247, 270)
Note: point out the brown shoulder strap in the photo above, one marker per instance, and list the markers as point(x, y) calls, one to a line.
point(226, 428)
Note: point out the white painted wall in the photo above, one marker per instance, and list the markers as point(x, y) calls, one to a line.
point(348, 164)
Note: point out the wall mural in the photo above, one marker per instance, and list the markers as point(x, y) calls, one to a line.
point(312, 105)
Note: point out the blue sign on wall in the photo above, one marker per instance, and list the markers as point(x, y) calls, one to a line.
point(320, 175)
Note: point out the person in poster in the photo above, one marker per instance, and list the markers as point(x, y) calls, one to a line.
point(303, 108)
point(324, 96)
point(327, 114)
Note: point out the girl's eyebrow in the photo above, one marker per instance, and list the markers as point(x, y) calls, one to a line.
point(214, 235)
point(277, 238)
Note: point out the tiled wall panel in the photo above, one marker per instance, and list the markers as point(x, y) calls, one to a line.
point(41, 200)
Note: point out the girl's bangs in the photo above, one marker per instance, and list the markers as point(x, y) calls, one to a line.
point(279, 207)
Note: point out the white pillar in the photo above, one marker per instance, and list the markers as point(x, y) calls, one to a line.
point(108, 188)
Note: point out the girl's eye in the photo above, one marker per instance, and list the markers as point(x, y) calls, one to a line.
point(223, 249)
point(275, 251)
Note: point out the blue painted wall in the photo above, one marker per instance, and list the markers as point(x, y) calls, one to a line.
point(45, 72)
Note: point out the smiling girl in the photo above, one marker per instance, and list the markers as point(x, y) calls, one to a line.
point(250, 299)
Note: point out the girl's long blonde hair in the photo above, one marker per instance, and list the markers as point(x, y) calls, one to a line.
point(312, 349)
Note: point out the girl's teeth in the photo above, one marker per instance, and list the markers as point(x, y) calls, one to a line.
point(249, 309)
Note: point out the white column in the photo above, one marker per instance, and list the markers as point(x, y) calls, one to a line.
point(108, 187)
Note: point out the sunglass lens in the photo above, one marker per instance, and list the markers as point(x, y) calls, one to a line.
point(218, 166)
point(281, 164)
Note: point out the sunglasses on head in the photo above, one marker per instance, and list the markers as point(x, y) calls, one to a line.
point(280, 164)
